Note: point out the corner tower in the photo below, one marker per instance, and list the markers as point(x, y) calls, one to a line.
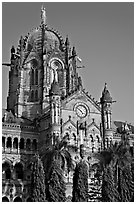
point(106, 116)
point(55, 110)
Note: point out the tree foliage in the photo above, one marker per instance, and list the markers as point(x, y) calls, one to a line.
point(56, 186)
point(56, 152)
point(37, 180)
point(80, 182)
point(116, 164)
point(109, 191)
point(56, 159)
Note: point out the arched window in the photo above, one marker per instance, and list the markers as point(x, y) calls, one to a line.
point(36, 95)
point(32, 77)
point(5, 199)
point(28, 144)
point(32, 95)
point(98, 138)
point(6, 170)
point(60, 78)
point(29, 200)
point(110, 142)
point(15, 143)
point(107, 142)
point(17, 199)
point(36, 77)
point(19, 171)
point(92, 139)
point(93, 149)
point(34, 144)
point(9, 142)
point(67, 135)
point(74, 136)
point(3, 142)
point(22, 143)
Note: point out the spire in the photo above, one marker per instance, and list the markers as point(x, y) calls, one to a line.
point(67, 43)
point(106, 97)
point(43, 15)
point(13, 49)
point(74, 51)
point(105, 88)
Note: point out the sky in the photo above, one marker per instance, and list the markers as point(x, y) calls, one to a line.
point(103, 34)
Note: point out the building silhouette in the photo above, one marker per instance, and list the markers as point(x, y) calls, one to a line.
point(46, 100)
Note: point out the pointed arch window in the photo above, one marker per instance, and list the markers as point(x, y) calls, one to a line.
point(98, 138)
point(92, 139)
point(28, 144)
point(9, 142)
point(36, 76)
point(6, 170)
point(15, 143)
point(3, 142)
point(60, 78)
point(32, 77)
point(19, 170)
point(34, 144)
point(36, 95)
point(32, 95)
point(22, 143)
point(93, 149)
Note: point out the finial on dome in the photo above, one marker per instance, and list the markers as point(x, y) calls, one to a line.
point(105, 86)
point(43, 15)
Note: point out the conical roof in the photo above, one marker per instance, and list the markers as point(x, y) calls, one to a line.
point(106, 97)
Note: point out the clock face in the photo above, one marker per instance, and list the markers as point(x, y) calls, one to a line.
point(81, 111)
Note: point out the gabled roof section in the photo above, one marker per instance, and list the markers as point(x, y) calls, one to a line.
point(69, 121)
point(83, 94)
point(94, 124)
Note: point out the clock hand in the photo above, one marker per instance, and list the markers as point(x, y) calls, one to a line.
point(80, 110)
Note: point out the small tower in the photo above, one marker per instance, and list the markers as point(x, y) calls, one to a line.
point(106, 114)
point(55, 112)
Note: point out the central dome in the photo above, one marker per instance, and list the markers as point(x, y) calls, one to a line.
point(44, 39)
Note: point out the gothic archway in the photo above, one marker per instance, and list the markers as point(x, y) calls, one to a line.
point(21, 143)
point(29, 200)
point(5, 199)
point(6, 170)
point(9, 142)
point(18, 199)
point(15, 143)
point(19, 171)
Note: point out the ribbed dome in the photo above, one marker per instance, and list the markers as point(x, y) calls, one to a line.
point(49, 38)
point(55, 89)
point(106, 97)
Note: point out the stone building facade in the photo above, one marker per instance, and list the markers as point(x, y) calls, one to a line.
point(46, 99)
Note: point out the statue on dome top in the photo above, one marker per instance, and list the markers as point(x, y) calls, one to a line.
point(43, 15)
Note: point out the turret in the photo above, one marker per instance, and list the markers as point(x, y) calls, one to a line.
point(67, 44)
point(55, 112)
point(12, 53)
point(106, 114)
